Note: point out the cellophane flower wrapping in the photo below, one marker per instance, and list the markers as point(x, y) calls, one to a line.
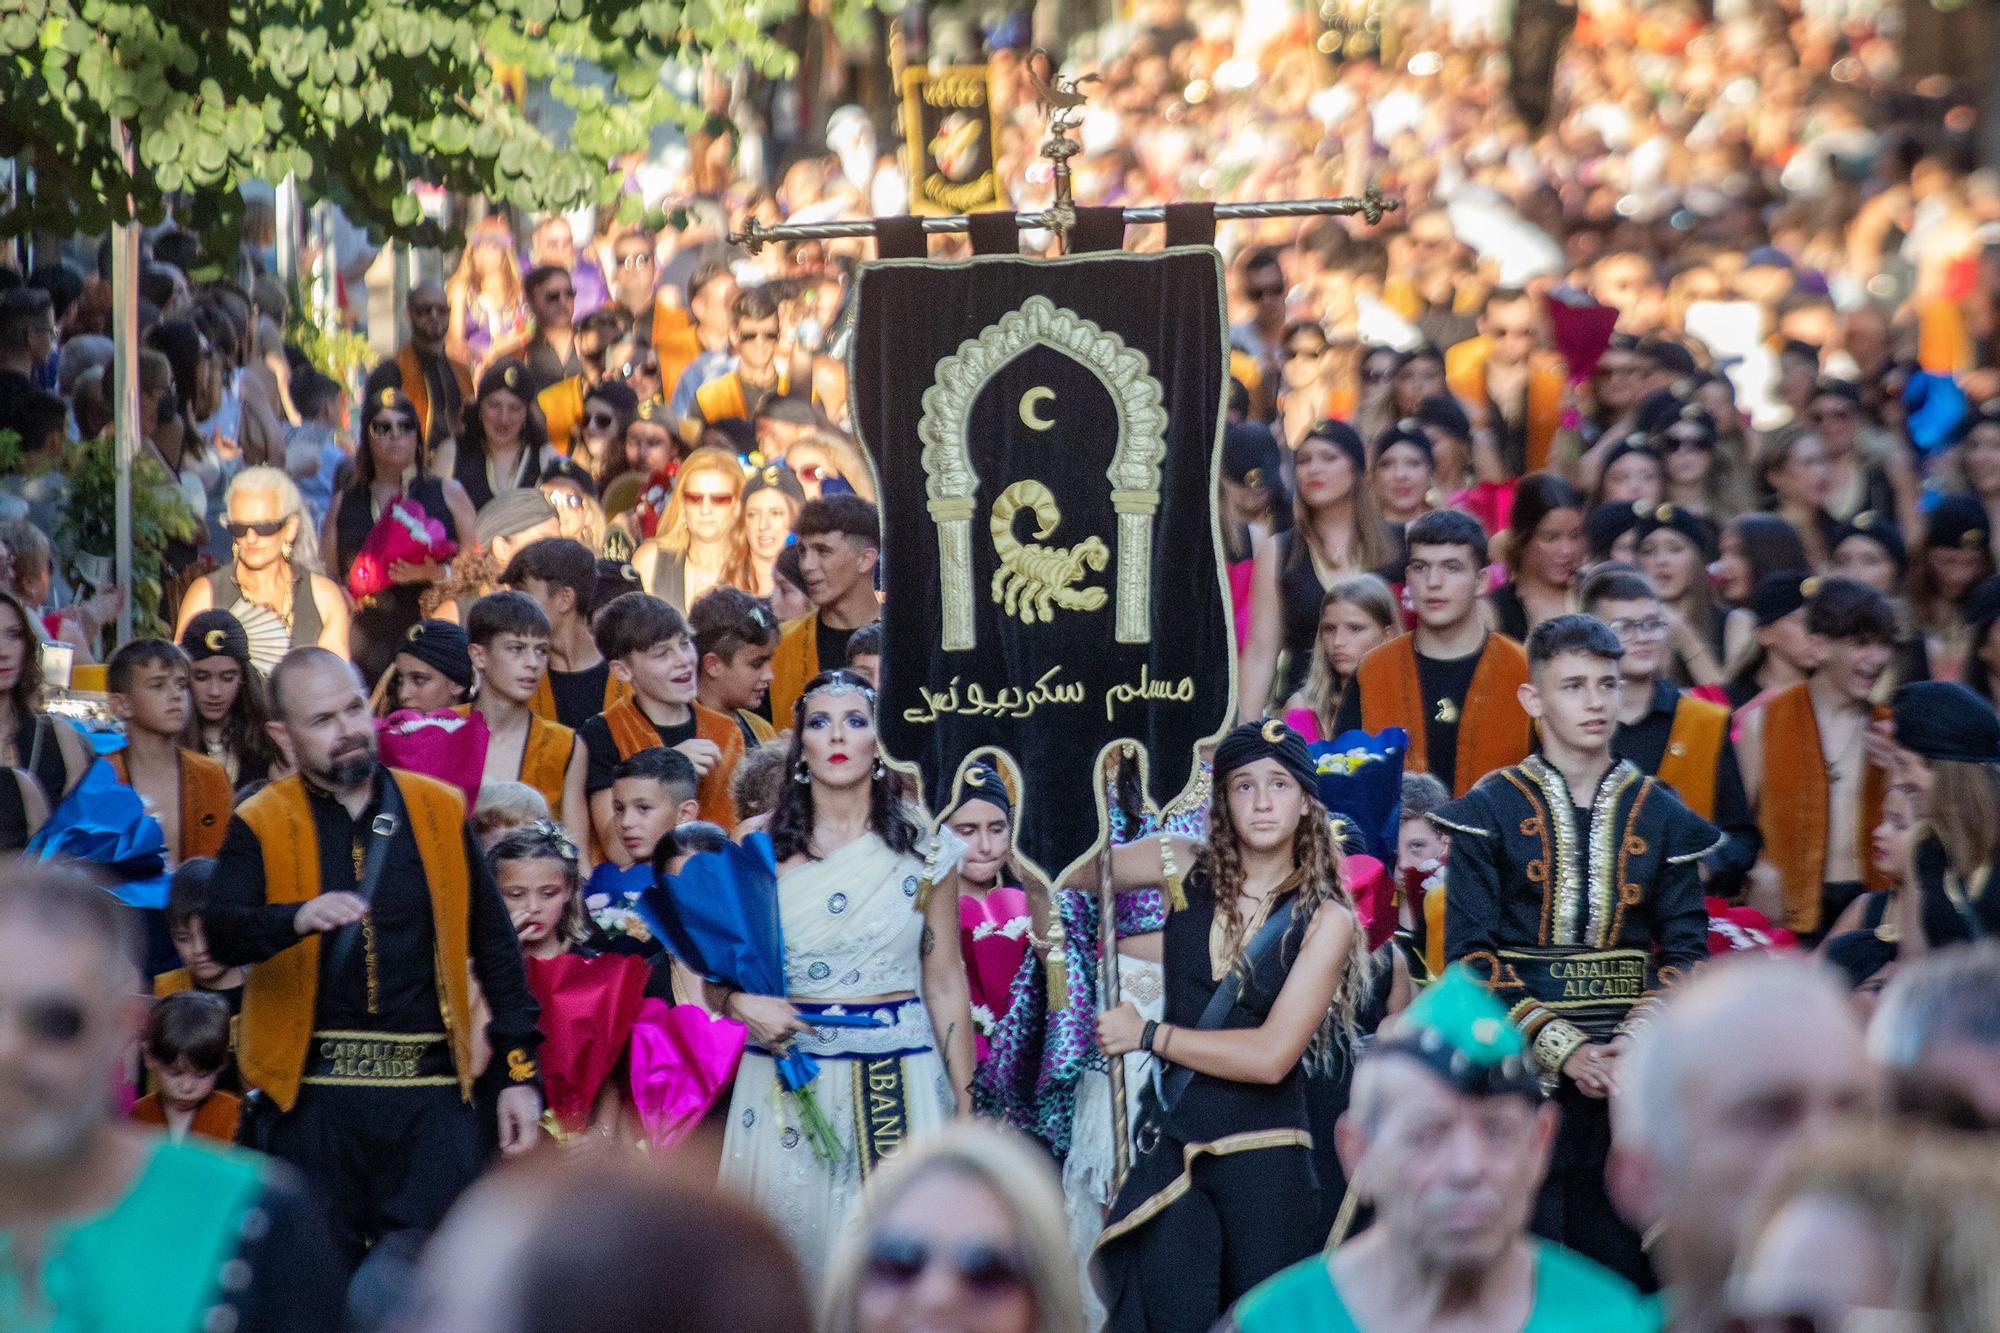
point(405, 533)
point(719, 916)
point(106, 823)
point(445, 745)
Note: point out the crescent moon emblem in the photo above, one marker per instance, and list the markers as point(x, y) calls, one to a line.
point(1029, 417)
point(1273, 732)
point(214, 640)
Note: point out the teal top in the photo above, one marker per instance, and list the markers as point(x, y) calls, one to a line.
point(152, 1263)
point(1572, 1295)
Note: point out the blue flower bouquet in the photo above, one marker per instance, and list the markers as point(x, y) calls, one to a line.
point(719, 916)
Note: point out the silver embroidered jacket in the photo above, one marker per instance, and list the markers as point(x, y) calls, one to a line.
point(1577, 918)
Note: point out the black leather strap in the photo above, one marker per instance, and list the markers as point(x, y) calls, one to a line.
point(347, 940)
point(1262, 948)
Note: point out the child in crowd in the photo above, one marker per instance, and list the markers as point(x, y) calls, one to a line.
point(432, 670)
point(589, 1000)
point(647, 643)
point(864, 653)
point(734, 637)
point(652, 793)
point(562, 576)
point(507, 637)
point(189, 793)
point(187, 902)
point(186, 1046)
point(1421, 849)
point(504, 807)
point(760, 776)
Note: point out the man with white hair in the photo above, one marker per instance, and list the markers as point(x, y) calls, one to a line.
point(1937, 1034)
point(1746, 1060)
point(1448, 1135)
point(103, 1223)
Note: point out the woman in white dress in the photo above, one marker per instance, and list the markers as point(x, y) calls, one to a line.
point(869, 908)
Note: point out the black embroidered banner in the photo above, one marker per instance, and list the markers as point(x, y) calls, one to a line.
point(1045, 436)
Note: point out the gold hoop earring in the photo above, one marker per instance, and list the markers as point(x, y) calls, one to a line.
point(287, 552)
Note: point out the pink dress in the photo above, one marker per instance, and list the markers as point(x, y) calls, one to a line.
point(993, 937)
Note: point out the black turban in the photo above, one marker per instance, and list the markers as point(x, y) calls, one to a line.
point(444, 646)
point(1269, 739)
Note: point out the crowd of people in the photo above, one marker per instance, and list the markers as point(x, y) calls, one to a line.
point(1634, 486)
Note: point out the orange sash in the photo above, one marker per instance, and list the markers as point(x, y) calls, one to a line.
point(418, 389)
point(1795, 824)
point(1465, 371)
point(1694, 746)
point(632, 731)
point(280, 993)
point(1493, 729)
point(543, 705)
point(215, 1118)
point(206, 799)
point(545, 756)
point(545, 759)
point(562, 408)
point(795, 663)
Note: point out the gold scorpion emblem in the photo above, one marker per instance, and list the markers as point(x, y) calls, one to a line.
point(1032, 579)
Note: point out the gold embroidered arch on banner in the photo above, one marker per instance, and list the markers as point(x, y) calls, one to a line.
point(951, 484)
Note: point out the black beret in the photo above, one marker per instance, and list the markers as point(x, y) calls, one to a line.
point(1698, 530)
point(1958, 520)
point(1941, 719)
point(1607, 523)
point(1778, 595)
point(216, 634)
point(1881, 530)
point(1859, 954)
point(1443, 412)
point(1250, 455)
point(1408, 431)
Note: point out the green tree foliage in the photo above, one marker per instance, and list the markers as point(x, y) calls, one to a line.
point(358, 97)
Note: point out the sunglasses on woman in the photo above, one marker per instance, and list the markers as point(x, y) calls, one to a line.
point(383, 427)
point(707, 499)
point(631, 368)
point(270, 529)
point(600, 421)
point(981, 1268)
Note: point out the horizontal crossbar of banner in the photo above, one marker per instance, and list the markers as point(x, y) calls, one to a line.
point(1371, 206)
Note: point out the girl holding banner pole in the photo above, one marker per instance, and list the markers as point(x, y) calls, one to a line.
point(1264, 975)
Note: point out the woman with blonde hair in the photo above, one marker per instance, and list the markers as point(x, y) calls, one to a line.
point(1356, 616)
point(273, 573)
point(1879, 1226)
point(977, 1199)
point(488, 307)
point(699, 541)
point(1948, 742)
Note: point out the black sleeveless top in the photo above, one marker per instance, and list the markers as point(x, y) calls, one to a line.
point(468, 468)
point(1212, 1107)
point(224, 594)
point(40, 754)
point(380, 623)
point(1299, 594)
point(13, 814)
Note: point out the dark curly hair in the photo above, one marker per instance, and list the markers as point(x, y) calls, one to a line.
point(791, 822)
